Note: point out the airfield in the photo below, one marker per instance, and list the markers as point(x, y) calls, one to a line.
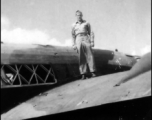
point(81, 94)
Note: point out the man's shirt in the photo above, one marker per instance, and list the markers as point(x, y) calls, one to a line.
point(81, 27)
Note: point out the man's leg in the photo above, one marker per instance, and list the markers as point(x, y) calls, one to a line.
point(82, 60)
point(90, 59)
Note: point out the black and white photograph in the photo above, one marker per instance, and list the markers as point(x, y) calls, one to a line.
point(76, 59)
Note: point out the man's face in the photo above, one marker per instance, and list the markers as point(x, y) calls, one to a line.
point(79, 16)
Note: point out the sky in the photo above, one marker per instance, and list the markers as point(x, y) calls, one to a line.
point(118, 24)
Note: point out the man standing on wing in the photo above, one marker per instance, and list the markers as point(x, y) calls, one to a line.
point(83, 41)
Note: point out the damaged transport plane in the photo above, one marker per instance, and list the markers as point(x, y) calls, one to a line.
point(43, 81)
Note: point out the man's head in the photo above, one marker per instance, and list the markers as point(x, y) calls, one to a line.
point(79, 15)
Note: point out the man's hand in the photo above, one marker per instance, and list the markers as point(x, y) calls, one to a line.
point(74, 47)
point(92, 44)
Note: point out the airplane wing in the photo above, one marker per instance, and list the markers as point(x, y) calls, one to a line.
point(82, 94)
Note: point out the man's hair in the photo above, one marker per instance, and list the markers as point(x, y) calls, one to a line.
point(78, 11)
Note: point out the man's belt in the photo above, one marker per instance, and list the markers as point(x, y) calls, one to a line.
point(82, 34)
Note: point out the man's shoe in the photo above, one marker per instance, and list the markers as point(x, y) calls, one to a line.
point(93, 75)
point(83, 77)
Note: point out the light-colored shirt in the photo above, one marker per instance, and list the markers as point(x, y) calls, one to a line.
point(82, 27)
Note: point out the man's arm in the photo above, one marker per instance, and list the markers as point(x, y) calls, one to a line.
point(73, 37)
point(91, 34)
